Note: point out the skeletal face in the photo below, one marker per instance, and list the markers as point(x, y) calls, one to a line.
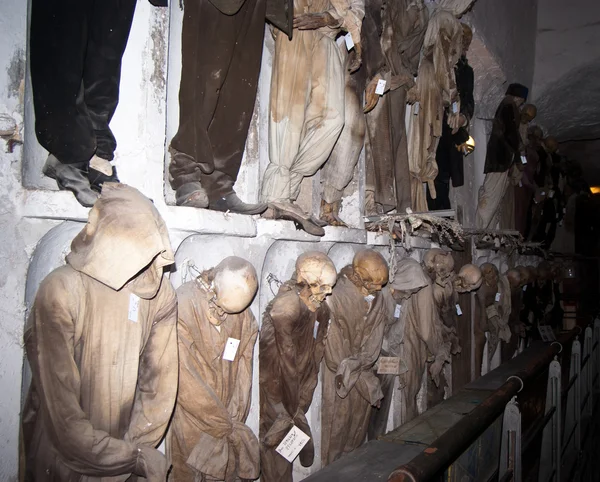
point(468, 279)
point(372, 270)
point(234, 285)
point(514, 277)
point(528, 113)
point(551, 144)
point(438, 263)
point(490, 274)
point(317, 271)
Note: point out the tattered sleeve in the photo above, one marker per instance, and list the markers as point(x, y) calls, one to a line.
point(157, 378)
point(244, 381)
point(428, 324)
point(50, 350)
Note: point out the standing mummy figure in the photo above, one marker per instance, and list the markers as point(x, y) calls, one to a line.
point(292, 340)
point(101, 341)
point(350, 386)
point(217, 332)
point(307, 101)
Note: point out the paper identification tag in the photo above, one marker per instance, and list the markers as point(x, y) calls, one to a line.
point(230, 349)
point(349, 41)
point(454, 107)
point(134, 307)
point(397, 311)
point(520, 184)
point(525, 288)
point(523, 160)
point(388, 365)
point(551, 194)
point(458, 310)
point(315, 330)
point(497, 297)
point(380, 89)
point(292, 444)
point(369, 298)
point(417, 107)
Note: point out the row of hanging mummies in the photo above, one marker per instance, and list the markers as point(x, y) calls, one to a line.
point(116, 354)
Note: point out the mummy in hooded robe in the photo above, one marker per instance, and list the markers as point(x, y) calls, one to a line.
point(102, 344)
point(435, 90)
point(493, 307)
point(350, 386)
point(292, 340)
point(307, 101)
point(208, 439)
point(504, 149)
point(416, 336)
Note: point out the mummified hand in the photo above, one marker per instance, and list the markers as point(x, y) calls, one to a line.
point(356, 58)
point(151, 464)
point(313, 21)
point(370, 96)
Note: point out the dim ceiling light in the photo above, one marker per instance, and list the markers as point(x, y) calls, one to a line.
point(595, 189)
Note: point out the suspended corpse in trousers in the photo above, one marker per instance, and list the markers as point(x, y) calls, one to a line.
point(208, 438)
point(102, 344)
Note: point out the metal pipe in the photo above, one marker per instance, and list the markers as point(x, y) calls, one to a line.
point(450, 445)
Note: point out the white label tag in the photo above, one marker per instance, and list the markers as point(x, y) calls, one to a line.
point(134, 307)
point(496, 242)
point(380, 89)
point(349, 41)
point(564, 210)
point(454, 107)
point(369, 298)
point(315, 330)
point(523, 160)
point(525, 288)
point(292, 444)
point(417, 107)
point(230, 349)
point(397, 311)
point(497, 297)
point(520, 184)
point(551, 194)
point(458, 310)
point(388, 365)
point(543, 193)
point(546, 333)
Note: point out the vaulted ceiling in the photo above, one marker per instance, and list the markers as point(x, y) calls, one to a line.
point(566, 85)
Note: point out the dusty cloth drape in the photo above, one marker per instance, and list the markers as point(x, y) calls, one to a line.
point(307, 99)
point(339, 168)
point(352, 348)
point(292, 340)
point(402, 31)
point(491, 194)
point(104, 378)
point(208, 439)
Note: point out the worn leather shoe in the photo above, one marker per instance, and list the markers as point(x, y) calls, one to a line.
point(192, 195)
point(101, 171)
point(234, 204)
point(291, 212)
point(71, 177)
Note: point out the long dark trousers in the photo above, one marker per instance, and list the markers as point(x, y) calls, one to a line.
point(221, 57)
point(76, 48)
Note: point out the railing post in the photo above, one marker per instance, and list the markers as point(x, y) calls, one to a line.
point(572, 438)
point(586, 384)
point(510, 451)
point(551, 452)
point(596, 355)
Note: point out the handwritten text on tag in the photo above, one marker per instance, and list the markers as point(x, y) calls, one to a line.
point(292, 444)
point(397, 311)
point(454, 107)
point(230, 349)
point(523, 160)
point(458, 310)
point(497, 297)
point(134, 307)
point(388, 365)
point(349, 41)
point(380, 89)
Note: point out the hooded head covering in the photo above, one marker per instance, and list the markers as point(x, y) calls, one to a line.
point(409, 276)
point(123, 235)
point(517, 90)
point(457, 7)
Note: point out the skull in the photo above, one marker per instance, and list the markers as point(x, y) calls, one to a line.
point(234, 284)
point(468, 279)
point(315, 270)
point(438, 264)
point(557, 270)
point(372, 269)
point(544, 270)
point(467, 38)
point(533, 274)
point(514, 277)
point(528, 113)
point(551, 144)
point(490, 274)
point(524, 275)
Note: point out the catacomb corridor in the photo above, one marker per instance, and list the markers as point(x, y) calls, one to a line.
point(285, 240)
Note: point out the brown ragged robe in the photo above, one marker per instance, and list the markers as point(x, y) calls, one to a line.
point(102, 384)
point(352, 348)
point(292, 340)
point(208, 439)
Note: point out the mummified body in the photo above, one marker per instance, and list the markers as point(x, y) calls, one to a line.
point(292, 340)
point(350, 387)
point(415, 336)
point(492, 313)
point(102, 344)
point(307, 97)
point(517, 328)
point(208, 439)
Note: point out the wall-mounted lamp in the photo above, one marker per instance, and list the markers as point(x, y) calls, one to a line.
point(595, 189)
